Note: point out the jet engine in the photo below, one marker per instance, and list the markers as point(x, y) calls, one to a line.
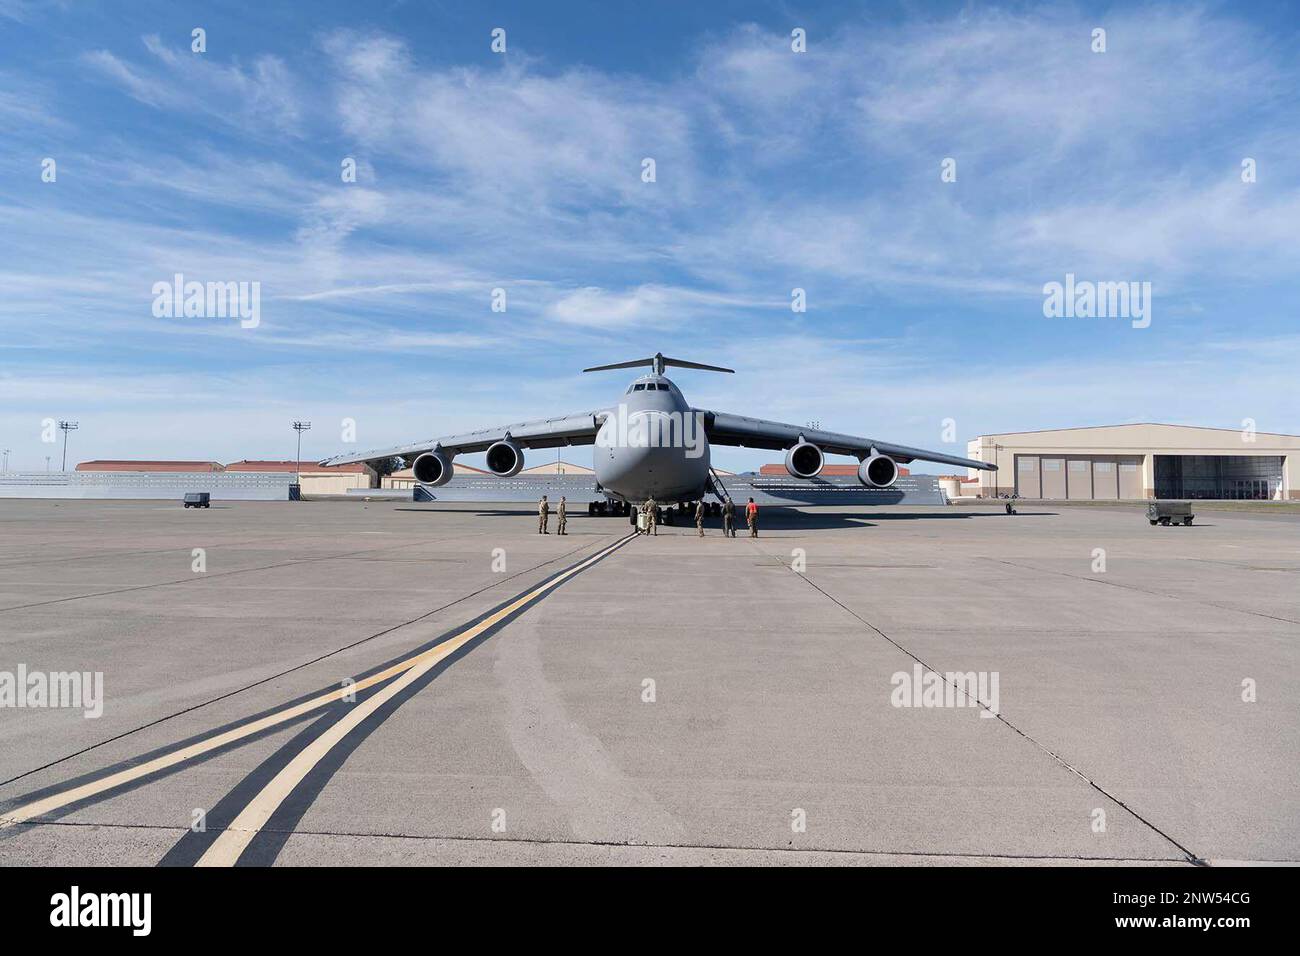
point(504, 459)
point(878, 471)
point(432, 468)
point(804, 460)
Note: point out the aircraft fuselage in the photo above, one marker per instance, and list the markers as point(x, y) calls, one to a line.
point(652, 444)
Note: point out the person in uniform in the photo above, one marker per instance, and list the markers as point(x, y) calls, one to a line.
point(699, 517)
point(652, 517)
point(751, 518)
point(561, 516)
point(728, 519)
point(543, 512)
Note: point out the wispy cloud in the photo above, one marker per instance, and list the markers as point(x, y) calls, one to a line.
point(774, 170)
point(650, 307)
point(264, 92)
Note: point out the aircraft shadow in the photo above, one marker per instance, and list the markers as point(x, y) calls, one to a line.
point(779, 519)
point(774, 517)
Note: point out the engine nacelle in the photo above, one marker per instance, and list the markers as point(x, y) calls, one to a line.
point(432, 468)
point(804, 460)
point(878, 471)
point(504, 459)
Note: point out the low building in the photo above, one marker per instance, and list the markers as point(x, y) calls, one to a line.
point(1149, 460)
point(828, 470)
point(405, 479)
point(955, 486)
point(123, 464)
point(557, 468)
point(315, 479)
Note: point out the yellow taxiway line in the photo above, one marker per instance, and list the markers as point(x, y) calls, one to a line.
point(232, 842)
point(412, 668)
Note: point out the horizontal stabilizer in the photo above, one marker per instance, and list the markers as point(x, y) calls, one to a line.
point(658, 362)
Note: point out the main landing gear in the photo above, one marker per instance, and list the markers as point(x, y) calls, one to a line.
point(683, 511)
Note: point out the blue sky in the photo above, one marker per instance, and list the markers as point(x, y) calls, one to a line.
point(775, 170)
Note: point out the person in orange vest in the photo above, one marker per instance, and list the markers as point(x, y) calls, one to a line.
point(751, 518)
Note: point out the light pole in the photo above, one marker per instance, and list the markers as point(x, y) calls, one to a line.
point(47, 464)
point(299, 427)
point(67, 427)
point(6, 467)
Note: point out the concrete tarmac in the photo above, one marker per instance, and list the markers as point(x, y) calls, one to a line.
point(666, 700)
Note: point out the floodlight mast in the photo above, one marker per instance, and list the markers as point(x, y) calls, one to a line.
point(299, 427)
point(66, 427)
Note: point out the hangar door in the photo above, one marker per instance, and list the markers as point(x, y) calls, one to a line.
point(1085, 477)
point(1040, 476)
point(1130, 478)
point(1027, 477)
point(1053, 470)
point(1078, 478)
point(1105, 479)
point(1218, 476)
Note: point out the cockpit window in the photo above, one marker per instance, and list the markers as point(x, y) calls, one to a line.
point(637, 388)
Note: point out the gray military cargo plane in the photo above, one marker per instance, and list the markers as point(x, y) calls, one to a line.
point(653, 443)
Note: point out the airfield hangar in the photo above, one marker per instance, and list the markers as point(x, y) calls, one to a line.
point(1112, 462)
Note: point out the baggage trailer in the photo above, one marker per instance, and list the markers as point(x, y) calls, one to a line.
point(1170, 512)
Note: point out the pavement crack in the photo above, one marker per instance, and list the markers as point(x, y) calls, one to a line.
point(617, 844)
point(209, 576)
point(296, 667)
point(1190, 855)
point(1133, 587)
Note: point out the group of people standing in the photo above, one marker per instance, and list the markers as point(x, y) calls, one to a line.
point(651, 510)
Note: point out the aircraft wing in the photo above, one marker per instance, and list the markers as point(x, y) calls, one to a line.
point(543, 433)
point(723, 428)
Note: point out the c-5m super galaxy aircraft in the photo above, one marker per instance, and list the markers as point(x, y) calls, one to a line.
point(653, 443)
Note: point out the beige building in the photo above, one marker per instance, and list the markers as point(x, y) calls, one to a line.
point(1111, 462)
point(120, 464)
point(315, 479)
point(405, 479)
point(557, 468)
